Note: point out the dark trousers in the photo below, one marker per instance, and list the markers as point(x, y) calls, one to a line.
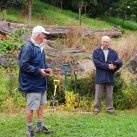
point(99, 89)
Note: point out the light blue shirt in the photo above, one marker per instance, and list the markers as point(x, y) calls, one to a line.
point(105, 53)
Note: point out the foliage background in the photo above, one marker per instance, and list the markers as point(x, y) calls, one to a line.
point(125, 87)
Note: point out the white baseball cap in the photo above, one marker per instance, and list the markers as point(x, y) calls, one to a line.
point(39, 29)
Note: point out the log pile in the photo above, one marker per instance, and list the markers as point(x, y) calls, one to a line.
point(59, 32)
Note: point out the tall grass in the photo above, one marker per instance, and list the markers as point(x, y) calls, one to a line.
point(76, 38)
point(126, 47)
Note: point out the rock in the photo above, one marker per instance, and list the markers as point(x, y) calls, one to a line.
point(5, 27)
point(132, 65)
point(82, 65)
point(86, 65)
point(3, 61)
point(68, 51)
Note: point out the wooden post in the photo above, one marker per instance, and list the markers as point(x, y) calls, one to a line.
point(80, 16)
point(61, 5)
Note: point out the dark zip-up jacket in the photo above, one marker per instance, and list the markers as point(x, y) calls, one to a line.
point(31, 60)
point(103, 74)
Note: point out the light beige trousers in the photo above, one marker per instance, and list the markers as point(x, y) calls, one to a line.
point(99, 89)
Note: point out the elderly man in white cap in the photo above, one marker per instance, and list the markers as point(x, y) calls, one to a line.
point(33, 73)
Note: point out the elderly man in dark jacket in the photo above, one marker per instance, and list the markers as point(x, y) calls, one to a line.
point(33, 72)
point(107, 63)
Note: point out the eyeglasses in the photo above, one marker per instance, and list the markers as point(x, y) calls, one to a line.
point(44, 35)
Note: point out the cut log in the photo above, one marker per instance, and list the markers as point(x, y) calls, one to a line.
point(65, 51)
point(59, 32)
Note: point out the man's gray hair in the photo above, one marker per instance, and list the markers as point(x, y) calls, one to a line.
point(105, 37)
point(34, 35)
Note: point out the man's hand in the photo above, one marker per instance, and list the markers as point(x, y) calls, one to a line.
point(48, 71)
point(112, 67)
point(43, 72)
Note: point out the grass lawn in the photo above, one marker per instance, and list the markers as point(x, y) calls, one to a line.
point(76, 124)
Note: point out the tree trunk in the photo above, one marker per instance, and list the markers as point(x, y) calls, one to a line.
point(80, 16)
point(85, 8)
point(61, 5)
point(29, 10)
point(4, 14)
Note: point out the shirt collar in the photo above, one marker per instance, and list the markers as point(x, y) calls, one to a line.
point(104, 48)
point(32, 40)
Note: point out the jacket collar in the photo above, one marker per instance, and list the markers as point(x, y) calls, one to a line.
point(109, 52)
point(103, 48)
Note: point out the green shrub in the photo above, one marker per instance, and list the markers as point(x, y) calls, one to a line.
point(13, 41)
point(9, 94)
point(86, 103)
point(3, 87)
point(85, 85)
point(125, 92)
point(130, 94)
point(51, 86)
point(118, 97)
point(72, 100)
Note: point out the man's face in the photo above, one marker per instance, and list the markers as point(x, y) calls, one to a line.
point(105, 41)
point(41, 37)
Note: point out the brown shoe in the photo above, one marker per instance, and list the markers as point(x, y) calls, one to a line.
point(112, 113)
point(44, 130)
point(30, 133)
